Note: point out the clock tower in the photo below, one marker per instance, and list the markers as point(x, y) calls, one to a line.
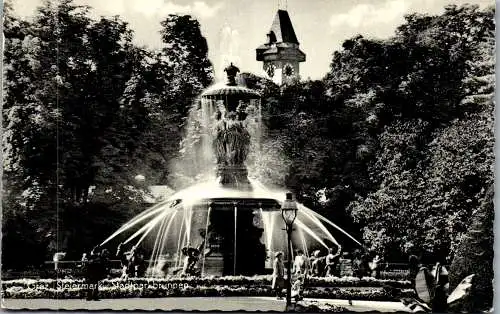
point(281, 54)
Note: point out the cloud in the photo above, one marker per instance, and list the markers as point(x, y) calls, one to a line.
point(202, 9)
point(368, 16)
point(25, 8)
point(113, 7)
point(162, 8)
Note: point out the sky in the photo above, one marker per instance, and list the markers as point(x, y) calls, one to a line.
point(235, 28)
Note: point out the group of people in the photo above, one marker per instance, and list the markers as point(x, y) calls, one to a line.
point(333, 264)
point(132, 262)
point(298, 275)
point(341, 264)
point(96, 266)
point(338, 264)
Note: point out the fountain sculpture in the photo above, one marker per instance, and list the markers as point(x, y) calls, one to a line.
point(229, 225)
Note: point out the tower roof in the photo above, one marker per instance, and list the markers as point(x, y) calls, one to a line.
point(281, 42)
point(283, 29)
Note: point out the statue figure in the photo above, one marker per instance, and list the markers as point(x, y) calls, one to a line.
point(231, 139)
point(231, 72)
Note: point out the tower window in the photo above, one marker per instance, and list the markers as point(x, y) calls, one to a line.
point(271, 37)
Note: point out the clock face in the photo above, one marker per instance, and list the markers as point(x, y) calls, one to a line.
point(257, 221)
point(270, 70)
point(288, 69)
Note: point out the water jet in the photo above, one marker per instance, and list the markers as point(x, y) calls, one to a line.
point(232, 221)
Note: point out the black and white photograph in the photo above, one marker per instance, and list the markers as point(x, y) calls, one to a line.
point(264, 155)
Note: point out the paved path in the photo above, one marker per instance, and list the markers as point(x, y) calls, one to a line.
point(189, 304)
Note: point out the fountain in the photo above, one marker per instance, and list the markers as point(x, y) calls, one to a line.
point(231, 224)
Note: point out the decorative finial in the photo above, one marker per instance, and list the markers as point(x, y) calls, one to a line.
point(283, 5)
point(231, 72)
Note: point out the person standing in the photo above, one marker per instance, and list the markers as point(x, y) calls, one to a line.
point(96, 270)
point(300, 264)
point(375, 267)
point(317, 264)
point(135, 261)
point(185, 261)
point(140, 265)
point(92, 276)
point(413, 268)
point(441, 285)
point(58, 257)
point(84, 260)
point(105, 265)
point(330, 262)
point(357, 264)
point(278, 283)
point(124, 261)
point(361, 264)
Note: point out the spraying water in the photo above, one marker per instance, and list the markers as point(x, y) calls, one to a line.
point(228, 224)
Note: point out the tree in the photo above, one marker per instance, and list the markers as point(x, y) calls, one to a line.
point(475, 256)
point(85, 112)
point(434, 156)
point(66, 133)
point(180, 72)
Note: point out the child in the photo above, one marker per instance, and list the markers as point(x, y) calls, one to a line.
point(297, 287)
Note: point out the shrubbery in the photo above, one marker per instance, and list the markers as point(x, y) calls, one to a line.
point(334, 288)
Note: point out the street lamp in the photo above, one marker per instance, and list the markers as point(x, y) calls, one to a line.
point(289, 213)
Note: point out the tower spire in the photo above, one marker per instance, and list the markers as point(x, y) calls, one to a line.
point(280, 53)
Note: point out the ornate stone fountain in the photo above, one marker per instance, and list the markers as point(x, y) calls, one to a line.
point(231, 141)
point(234, 222)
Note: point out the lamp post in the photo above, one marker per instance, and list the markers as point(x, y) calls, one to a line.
point(289, 213)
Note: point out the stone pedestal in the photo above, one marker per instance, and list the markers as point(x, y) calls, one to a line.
point(214, 265)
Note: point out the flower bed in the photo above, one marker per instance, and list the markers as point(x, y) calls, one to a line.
point(216, 291)
point(356, 282)
point(307, 306)
point(265, 280)
point(370, 294)
point(182, 287)
point(394, 275)
point(133, 292)
point(191, 281)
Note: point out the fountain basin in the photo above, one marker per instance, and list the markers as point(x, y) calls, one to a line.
point(231, 224)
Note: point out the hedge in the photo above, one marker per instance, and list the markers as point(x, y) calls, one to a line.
point(264, 280)
point(372, 294)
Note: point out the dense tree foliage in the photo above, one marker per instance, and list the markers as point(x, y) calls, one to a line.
point(435, 147)
point(84, 112)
